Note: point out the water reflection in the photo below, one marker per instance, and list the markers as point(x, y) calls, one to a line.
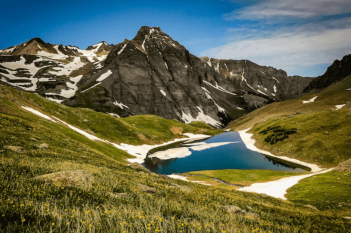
point(228, 156)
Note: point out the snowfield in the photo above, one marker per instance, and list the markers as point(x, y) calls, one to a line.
point(310, 101)
point(139, 152)
point(276, 188)
point(183, 152)
point(250, 144)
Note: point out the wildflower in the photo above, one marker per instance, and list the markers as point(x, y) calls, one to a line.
point(53, 224)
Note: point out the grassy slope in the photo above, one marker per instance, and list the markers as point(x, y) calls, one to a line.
point(28, 205)
point(323, 137)
point(327, 99)
point(244, 177)
point(328, 192)
point(135, 130)
point(323, 134)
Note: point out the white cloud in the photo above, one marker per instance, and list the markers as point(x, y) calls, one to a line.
point(289, 51)
point(291, 35)
point(296, 8)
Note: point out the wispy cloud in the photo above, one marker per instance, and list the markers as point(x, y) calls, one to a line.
point(295, 8)
point(293, 44)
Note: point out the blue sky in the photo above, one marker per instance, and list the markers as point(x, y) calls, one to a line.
point(302, 37)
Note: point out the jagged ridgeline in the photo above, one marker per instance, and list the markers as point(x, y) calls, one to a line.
point(150, 74)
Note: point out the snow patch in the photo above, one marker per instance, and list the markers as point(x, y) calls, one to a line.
point(218, 87)
point(310, 101)
point(120, 105)
point(275, 88)
point(339, 106)
point(119, 52)
point(219, 108)
point(278, 188)
point(138, 151)
point(173, 176)
point(38, 113)
point(183, 152)
point(163, 93)
point(114, 114)
point(259, 91)
point(104, 76)
point(275, 79)
point(90, 87)
point(72, 87)
point(250, 144)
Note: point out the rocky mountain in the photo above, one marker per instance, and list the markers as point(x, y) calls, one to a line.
point(50, 70)
point(150, 74)
point(335, 73)
point(153, 74)
point(258, 85)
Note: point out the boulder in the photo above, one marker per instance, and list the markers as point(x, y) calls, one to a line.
point(17, 149)
point(183, 188)
point(44, 146)
point(311, 207)
point(232, 209)
point(147, 189)
point(344, 166)
point(75, 178)
point(252, 215)
point(117, 195)
point(139, 167)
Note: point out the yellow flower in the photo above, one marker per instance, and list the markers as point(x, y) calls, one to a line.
point(53, 224)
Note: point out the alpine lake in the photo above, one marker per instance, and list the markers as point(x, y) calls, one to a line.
point(223, 151)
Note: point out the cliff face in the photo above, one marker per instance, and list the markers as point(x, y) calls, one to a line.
point(335, 73)
point(258, 84)
point(150, 74)
point(153, 74)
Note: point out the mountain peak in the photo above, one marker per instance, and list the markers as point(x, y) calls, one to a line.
point(146, 31)
point(36, 39)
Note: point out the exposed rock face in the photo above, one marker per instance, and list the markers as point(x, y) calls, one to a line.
point(75, 178)
point(17, 149)
point(150, 74)
point(259, 85)
point(101, 48)
point(147, 189)
point(52, 71)
point(335, 73)
point(344, 166)
point(153, 74)
point(234, 209)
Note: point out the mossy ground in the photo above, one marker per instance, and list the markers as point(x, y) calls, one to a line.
point(322, 137)
point(328, 192)
point(30, 205)
point(243, 177)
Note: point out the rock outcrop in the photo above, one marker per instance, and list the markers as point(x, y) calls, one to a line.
point(259, 85)
point(153, 74)
point(76, 178)
point(335, 73)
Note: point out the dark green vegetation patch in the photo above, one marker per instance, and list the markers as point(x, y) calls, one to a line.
point(277, 133)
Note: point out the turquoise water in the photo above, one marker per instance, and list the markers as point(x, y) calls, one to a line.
point(230, 156)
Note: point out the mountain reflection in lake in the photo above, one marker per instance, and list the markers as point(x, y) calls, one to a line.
point(222, 156)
